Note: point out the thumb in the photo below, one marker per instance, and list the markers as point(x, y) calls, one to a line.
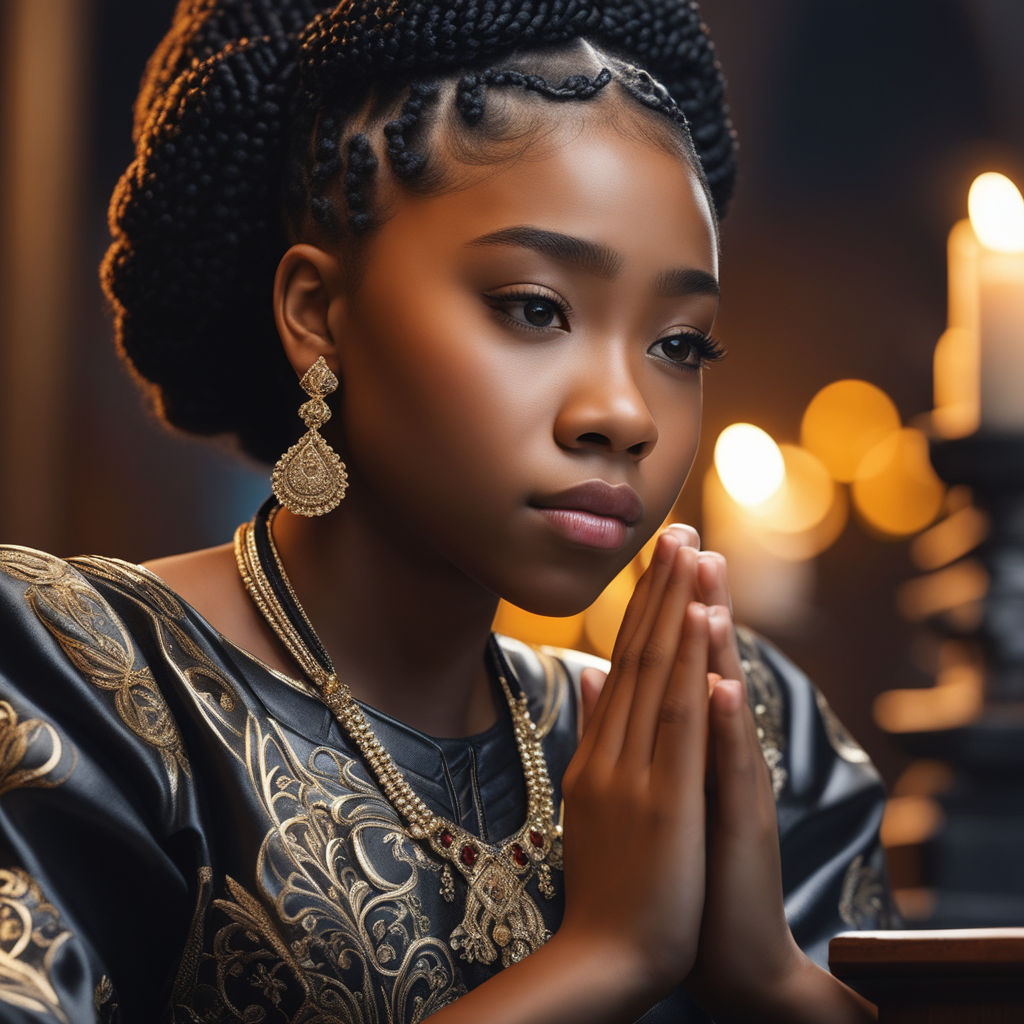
point(591, 683)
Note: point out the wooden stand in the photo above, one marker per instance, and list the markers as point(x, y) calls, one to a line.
point(959, 976)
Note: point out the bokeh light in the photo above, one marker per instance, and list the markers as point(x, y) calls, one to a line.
point(896, 490)
point(807, 513)
point(805, 497)
point(997, 212)
point(844, 421)
point(749, 464)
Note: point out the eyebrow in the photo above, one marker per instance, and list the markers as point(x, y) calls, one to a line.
point(597, 259)
point(688, 281)
point(578, 252)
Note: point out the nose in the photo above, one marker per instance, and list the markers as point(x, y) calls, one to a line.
point(605, 410)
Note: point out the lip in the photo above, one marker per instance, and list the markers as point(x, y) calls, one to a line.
point(597, 498)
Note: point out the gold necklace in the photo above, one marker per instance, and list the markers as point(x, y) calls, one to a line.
point(500, 917)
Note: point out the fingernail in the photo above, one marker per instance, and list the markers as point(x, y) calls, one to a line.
point(729, 695)
point(718, 613)
point(692, 537)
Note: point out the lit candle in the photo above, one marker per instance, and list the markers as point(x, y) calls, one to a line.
point(997, 216)
point(956, 369)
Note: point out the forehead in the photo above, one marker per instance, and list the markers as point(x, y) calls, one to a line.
point(581, 178)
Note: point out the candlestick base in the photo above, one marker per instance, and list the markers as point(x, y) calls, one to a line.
point(972, 863)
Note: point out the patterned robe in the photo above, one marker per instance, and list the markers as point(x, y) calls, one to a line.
point(187, 835)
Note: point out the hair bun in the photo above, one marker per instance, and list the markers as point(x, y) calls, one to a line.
point(194, 219)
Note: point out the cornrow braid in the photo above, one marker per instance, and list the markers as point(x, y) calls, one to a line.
point(392, 40)
point(362, 166)
point(326, 167)
point(469, 96)
point(255, 125)
point(404, 162)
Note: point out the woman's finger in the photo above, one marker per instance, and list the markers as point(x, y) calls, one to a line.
point(624, 664)
point(658, 660)
point(640, 615)
point(687, 534)
point(681, 741)
point(743, 783)
point(592, 681)
point(723, 650)
point(713, 580)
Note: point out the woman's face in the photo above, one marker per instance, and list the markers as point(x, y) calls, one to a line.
point(520, 365)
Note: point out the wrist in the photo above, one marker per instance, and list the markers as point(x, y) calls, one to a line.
point(802, 993)
point(622, 974)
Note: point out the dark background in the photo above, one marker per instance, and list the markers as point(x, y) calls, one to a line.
point(862, 124)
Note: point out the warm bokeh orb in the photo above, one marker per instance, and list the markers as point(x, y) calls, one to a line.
point(807, 513)
point(844, 421)
point(749, 464)
point(806, 494)
point(896, 490)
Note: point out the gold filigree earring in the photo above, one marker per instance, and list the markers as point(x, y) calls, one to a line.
point(310, 478)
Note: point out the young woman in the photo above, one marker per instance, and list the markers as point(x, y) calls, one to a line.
point(295, 778)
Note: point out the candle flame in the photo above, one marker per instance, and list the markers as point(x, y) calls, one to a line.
point(997, 212)
point(749, 464)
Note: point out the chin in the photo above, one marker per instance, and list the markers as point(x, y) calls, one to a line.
point(557, 596)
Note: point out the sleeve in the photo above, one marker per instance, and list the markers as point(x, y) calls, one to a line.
point(830, 801)
point(94, 894)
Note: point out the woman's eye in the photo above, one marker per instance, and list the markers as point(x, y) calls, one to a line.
point(539, 312)
point(689, 349)
point(531, 310)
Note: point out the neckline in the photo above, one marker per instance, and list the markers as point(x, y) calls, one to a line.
point(307, 689)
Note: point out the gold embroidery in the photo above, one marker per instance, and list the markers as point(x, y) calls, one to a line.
point(862, 903)
point(185, 979)
point(842, 742)
point(337, 931)
point(180, 653)
point(104, 1001)
point(98, 645)
point(29, 752)
point(30, 936)
point(766, 702)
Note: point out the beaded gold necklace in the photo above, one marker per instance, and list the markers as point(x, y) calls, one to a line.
point(501, 918)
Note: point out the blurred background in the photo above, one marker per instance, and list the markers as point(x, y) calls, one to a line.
point(862, 124)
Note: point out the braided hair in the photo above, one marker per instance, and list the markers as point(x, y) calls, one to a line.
point(262, 122)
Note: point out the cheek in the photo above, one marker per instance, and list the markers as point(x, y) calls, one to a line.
point(679, 423)
point(426, 394)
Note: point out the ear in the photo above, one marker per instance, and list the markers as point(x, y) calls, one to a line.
point(309, 304)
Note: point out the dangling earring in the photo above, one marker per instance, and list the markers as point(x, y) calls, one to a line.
point(310, 478)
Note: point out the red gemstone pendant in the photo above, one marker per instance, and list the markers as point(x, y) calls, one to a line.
point(468, 856)
point(536, 838)
point(446, 838)
point(519, 855)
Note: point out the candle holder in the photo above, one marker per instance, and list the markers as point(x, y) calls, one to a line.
point(972, 866)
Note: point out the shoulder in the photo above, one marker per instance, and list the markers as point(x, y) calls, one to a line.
point(70, 660)
point(805, 744)
point(549, 677)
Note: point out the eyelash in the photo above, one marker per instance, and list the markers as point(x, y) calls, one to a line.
point(708, 349)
